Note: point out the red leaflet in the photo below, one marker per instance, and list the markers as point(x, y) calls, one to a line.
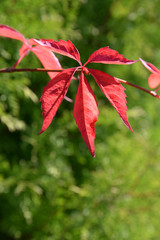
point(108, 56)
point(65, 48)
point(114, 91)
point(53, 95)
point(154, 78)
point(86, 112)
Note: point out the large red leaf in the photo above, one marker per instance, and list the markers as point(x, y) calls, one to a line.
point(86, 112)
point(114, 91)
point(47, 58)
point(6, 31)
point(65, 48)
point(108, 56)
point(53, 95)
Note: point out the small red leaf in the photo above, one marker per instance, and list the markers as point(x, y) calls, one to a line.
point(150, 66)
point(154, 80)
point(47, 58)
point(86, 112)
point(65, 48)
point(114, 91)
point(108, 56)
point(6, 31)
point(53, 95)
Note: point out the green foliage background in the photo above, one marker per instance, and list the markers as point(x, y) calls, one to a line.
point(50, 186)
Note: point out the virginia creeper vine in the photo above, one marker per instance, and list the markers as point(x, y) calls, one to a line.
point(85, 107)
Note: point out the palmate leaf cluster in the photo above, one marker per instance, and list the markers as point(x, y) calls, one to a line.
point(50, 187)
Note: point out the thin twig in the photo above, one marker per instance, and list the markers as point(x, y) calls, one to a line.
point(12, 69)
point(152, 93)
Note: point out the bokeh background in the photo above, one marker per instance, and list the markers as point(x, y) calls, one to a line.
point(50, 186)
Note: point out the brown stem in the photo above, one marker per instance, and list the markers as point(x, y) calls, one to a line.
point(152, 93)
point(12, 69)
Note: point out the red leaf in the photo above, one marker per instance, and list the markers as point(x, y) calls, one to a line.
point(150, 66)
point(47, 58)
point(86, 112)
point(114, 91)
point(6, 31)
point(53, 95)
point(154, 80)
point(108, 56)
point(65, 48)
